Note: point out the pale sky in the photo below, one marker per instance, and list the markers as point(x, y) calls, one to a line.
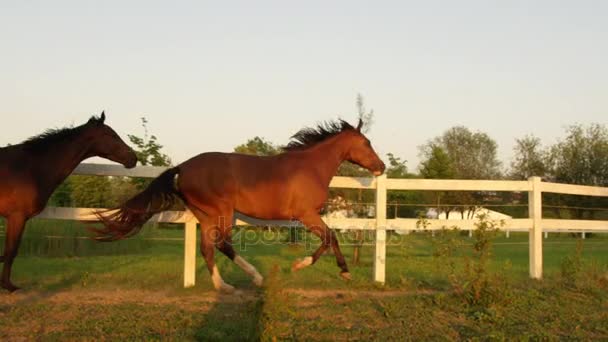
point(210, 74)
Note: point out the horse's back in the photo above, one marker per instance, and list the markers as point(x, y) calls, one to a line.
point(259, 186)
point(226, 172)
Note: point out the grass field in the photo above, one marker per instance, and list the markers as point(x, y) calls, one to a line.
point(75, 289)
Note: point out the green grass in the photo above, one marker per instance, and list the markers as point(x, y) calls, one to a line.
point(133, 290)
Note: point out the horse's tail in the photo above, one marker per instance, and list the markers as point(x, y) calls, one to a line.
point(127, 219)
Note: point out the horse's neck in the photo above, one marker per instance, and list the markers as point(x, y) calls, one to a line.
point(326, 158)
point(59, 160)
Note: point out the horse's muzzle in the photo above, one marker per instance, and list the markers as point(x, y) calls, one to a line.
point(379, 170)
point(131, 162)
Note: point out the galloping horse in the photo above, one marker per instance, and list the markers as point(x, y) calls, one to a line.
point(32, 170)
point(290, 185)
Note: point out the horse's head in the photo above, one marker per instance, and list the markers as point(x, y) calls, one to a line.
point(105, 143)
point(361, 152)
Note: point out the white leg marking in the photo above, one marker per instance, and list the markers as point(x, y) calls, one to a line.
point(218, 282)
point(249, 269)
point(298, 265)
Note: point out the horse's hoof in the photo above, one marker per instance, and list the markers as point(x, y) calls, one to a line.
point(294, 266)
point(346, 276)
point(301, 263)
point(258, 280)
point(10, 287)
point(225, 288)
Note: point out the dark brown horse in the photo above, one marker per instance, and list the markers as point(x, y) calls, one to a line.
point(32, 170)
point(291, 185)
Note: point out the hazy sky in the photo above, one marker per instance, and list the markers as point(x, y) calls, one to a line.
point(209, 75)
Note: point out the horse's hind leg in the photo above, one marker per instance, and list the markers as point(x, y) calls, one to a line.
point(224, 244)
point(14, 231)
point(209, 234)
point(315, 224)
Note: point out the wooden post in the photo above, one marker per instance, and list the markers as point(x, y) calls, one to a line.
point(380, 250)
point(190, 252)
point(358, 244)
point(536, 232)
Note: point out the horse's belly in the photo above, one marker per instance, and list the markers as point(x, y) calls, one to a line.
point(264, 205)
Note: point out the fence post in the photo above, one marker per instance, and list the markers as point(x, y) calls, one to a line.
point(380, 250)
point(190, 252)
point(535, 211)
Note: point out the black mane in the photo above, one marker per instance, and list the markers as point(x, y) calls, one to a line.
point(53, 136)
point(310, 136)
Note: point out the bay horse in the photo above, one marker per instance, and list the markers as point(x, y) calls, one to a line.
point(31, 171)
point(287, 186)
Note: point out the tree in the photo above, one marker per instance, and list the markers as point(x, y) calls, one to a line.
point(438, 165)
point(148, 152)
point(472, 154)
point(147, 149)
point(90, 191)
point(396, 168)
point(366, 115)
point(258, 146)
point(62, 197)
point(582, 158)
point(529, 160)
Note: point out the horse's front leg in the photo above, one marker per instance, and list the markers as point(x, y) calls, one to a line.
point(14, 231)
point(317, 226)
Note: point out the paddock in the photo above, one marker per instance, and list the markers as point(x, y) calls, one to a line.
point(139, 294)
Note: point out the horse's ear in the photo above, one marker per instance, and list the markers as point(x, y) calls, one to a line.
point(360, 125)
point(97, 121)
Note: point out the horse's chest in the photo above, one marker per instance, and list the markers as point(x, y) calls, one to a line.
point(19, 195)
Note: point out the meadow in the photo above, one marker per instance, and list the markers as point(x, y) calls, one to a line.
point(436, 289)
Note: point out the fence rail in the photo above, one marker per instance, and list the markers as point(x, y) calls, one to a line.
point(534, 224)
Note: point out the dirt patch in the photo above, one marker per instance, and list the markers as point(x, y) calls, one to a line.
point(338, 294)
point(121, 296)
point(86, 314)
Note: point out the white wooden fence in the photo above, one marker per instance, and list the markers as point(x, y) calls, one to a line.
point(534, 224)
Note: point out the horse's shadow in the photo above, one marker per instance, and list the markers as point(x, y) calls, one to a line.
point(245, 314)
point(233, 317)
point(26, 296)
